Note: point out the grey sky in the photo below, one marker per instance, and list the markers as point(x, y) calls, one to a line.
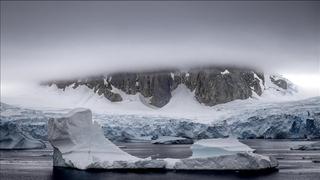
point(41, 40)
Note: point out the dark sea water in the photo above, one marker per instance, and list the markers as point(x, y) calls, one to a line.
point(37, 164)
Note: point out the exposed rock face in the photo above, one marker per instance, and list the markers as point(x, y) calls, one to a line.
point(212, 85)
point(279, 82)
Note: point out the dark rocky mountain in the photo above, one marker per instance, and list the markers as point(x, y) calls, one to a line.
point(211, 85)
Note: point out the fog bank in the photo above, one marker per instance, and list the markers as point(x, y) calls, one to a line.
point(49, 40)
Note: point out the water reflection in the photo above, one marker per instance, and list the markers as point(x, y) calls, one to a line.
point(73, 174)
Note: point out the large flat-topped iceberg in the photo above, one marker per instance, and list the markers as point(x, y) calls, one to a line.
point(79, 143)
point(217, 147)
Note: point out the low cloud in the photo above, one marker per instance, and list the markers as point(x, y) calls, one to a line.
point(54, 40)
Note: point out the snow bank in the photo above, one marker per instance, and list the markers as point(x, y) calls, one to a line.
point(79, 143)
point(216, 147)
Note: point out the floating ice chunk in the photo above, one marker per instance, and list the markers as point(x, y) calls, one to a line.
point(217, 147)
point(172, 140)
point(238, 161)
point(308, 147)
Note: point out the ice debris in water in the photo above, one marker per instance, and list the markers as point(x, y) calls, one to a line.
point(217, 147)
point(79, 143)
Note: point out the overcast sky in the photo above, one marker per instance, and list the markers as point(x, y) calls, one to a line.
point(43, 40)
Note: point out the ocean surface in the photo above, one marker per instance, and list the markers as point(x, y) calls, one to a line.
point(37, 164)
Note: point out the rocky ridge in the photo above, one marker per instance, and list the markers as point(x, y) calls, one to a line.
point(210, 85)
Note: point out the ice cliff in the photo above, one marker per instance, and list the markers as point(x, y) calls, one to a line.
point(292, 120)
point(79, 142)
point(12, 137)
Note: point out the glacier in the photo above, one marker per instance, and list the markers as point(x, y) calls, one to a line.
point(11, 137)
point(291, 120)
point(79, 143)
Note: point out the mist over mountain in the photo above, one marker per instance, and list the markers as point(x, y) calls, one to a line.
point(44, 40)
point(209, 85)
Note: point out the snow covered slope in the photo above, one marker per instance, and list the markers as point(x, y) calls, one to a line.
point(211, 85)
point(183, 103)
point(159, 93)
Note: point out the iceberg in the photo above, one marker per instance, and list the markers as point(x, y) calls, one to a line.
point(238, 161)
point(309, 147)
point(171, 140)
point(216, 147)
point(79, 143)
